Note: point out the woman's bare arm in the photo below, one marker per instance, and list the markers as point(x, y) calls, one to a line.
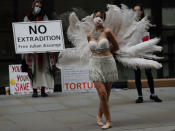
point(89, 36)
point(111, 37)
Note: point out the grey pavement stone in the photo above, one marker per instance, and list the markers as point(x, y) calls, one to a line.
point(21, 110)
point(10, 101)
point(77, 112)
point(166, 128)
point(49, 107)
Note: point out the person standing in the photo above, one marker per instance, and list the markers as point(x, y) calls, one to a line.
point(139, 9)
point(102, 66)
point(39, 65)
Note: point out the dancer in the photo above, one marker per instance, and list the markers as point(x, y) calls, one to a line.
point(40, 66)
point(139, 9)
point(102, 66)
point(96, 38)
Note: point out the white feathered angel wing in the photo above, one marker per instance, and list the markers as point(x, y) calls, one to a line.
point(122, 22)
point(77, 34)
point(128, 32)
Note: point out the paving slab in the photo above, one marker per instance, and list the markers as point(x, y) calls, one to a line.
point(77, 112)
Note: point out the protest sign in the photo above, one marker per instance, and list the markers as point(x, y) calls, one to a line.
point(76, 79)
point(20, 82)
point(38, 36)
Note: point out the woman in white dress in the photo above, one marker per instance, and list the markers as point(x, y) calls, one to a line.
point(102, 66)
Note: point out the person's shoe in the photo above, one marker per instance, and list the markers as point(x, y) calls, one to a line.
point(99, 121)
point(155, 98)
point(107, 125)
point(139, 100)
point(35, 94)
point(43, 94)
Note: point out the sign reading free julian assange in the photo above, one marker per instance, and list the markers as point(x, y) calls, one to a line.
point(40, 36)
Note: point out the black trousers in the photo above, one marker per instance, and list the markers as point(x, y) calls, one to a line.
point(138, 81)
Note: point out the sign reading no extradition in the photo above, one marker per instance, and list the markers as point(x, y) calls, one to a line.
point(40, 36)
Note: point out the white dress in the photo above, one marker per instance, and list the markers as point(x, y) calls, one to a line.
point(102, 68)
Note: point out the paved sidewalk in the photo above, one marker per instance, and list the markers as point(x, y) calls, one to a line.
point(77, 112)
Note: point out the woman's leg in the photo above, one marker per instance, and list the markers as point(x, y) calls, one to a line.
point(138, 85)
point(150, 80)
point(151, 86)
point(100, 110)
point(138, 81)
point(104, 106)
point(108, 87)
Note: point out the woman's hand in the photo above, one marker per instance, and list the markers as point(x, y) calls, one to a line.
point(34, 53)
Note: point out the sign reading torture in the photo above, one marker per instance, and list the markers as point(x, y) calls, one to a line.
point(76, 79)
point(40, 36)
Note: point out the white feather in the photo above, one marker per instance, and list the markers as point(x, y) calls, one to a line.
point(148, 46)
point(151, 56)
point(139, 63)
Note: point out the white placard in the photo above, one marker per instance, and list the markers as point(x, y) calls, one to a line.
point(20, 82)
point(39, 36)
point(76, 79)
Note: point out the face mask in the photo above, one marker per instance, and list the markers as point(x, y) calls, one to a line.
point(37, 10)
point(98, 20)
point(136, 15)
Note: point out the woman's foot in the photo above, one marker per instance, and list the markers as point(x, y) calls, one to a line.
point(107, 125)
point(43, 94)
point(155, 98)
point(99, 121)
point(35, 93)
point(139, 100)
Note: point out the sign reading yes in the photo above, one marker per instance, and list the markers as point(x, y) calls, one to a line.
point(40, 36)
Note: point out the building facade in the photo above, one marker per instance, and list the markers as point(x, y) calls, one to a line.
point(161, 13)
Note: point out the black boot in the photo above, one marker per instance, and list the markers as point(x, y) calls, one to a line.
point(139, 100)
point(43, 94)
point(155, 98)
point(35, 93)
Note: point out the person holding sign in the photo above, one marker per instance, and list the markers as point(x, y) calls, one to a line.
point(40, 66)
point(138, 8)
